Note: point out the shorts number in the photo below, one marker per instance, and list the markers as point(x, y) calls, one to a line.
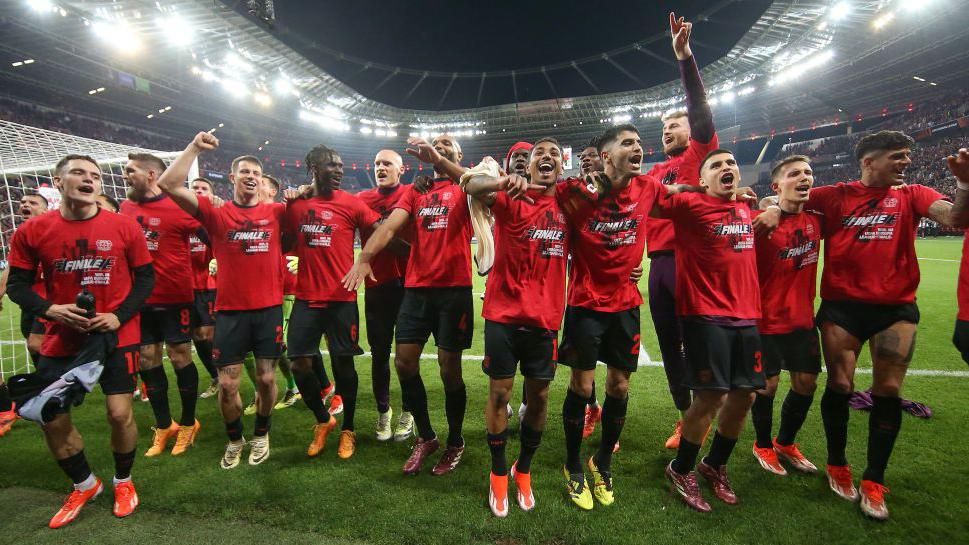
point(463, 322)
point(211, 307)
point(354, 332)
point(555, 350)
point(185, 317)
point(279, 334)
point(758, 365)
point(636, 345)
point(132, 360)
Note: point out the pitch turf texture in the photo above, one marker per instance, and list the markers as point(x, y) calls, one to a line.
point(292, 499)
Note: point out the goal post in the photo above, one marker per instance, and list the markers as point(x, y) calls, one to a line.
point(27, 159)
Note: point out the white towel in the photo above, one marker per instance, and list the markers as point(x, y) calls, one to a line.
point(481, 218)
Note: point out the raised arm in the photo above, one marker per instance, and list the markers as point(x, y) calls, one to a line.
point(698, 109)
point(955, 214)
point(172, 181)
point(379, 240)
point(483, 188)
point(426, 153)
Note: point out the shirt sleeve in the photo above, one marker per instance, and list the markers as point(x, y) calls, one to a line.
point(366, 216)
point(21, 254)
point(820, 199)
point(668, 204)
point(290, 222)
point(406, 201)
point(923, 197)
point(695, 153)
point(206, 213)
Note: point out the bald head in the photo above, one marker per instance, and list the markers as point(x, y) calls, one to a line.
point(388, 167)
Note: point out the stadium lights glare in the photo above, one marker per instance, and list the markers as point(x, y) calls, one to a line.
point(233, 59)
point(149, 116)
point(882, 20)
point(96, 91)
point(366, 130)
point(800, 68)
point(285, 87)
point(933, 84)
point(234, 88)
point(22, 63)
point(177, 30)
point(323, 121)
point(119, 35)
point(916, 78)
point(728, 97)
point(839, 11)
point(913, 6)
point(41, 6)
point(746, 91)
point(262, 99)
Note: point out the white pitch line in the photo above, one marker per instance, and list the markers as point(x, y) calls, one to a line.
point(862, 370)
point(939, 259)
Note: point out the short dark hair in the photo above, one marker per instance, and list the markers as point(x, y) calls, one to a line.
point(59, 167)
point(111, 200)
point(549, 139)
point(272, 180)
point(593, 143)
point(718, 151)
point(39, 196)
point(612, 134)
point(882, 141)
point(153, 160)
point(774, 172)
point(206, 180)
point(318, 155)
point(246, 158)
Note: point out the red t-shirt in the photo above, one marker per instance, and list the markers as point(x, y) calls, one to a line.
point(716, 267)
point(607, 244)
point(97, 253)
point(386, 265)
point(246, 243)
point(167, 230)
point(962, 293)
point(440, 256)
point(201, 256)
point(681, 169)
point(787, 264)
point(869, 250)
point(526, 286)
point(323, 229)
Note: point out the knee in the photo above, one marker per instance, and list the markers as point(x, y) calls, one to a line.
point(180, 355)
point(771, 389)
point(840, 384)
point(618, 389)
point(499, 394)
point(538, 398)
point(580, 386)
point(34, 343)
point(228, 385)
point(708, 403)
point(301, 365)
point(406, 368)
point(266, 379)
point(452, 377)
point(887, 389)
point(804, 383)
point(120, 417)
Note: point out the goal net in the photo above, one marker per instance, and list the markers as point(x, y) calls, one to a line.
point(27, 159)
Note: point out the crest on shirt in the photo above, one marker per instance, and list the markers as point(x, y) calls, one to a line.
point(103, 245)
point(154, 222)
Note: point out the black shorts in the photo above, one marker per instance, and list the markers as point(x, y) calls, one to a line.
point(960, 338)
point(798, 352)
point(339, 321)
point(31, 324)
point(171, 324)
point(238, 332)
point(864, 320)
point(447, 313)
point(506, 345)
point(590, 336)
point(722, 357)
point(203, 309)
point(120, 373)
point(381, 307)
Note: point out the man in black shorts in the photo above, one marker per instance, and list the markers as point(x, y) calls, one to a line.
point(167, 315)
point(437, 296)
point(203, 309)
point(81, 247)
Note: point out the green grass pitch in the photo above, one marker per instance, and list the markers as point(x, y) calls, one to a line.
point(291, 499)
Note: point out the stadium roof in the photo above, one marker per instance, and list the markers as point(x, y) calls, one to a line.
point(195, 64)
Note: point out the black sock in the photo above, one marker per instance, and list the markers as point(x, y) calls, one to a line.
point(834, 415)
point(204, 351)
point(613, 420)
point(156, 383)
point(682, 398)
point(263, 423)
point(686, 455)
point(380, 378)
point(6, 403)
point(76, 467)
point(122, 464)
point(414, 394)
point(762, 416)
point(496, 444)
point(720, 451)
point(345, 375)
point(530, 439)
point(524, 394)
point(883, 425)
point(573, 420)
point(793, 414)
point(320, 371)
point(188, 391)
point(455, 405)
point(234, 429)
point(592, 398)
point(307, 381)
